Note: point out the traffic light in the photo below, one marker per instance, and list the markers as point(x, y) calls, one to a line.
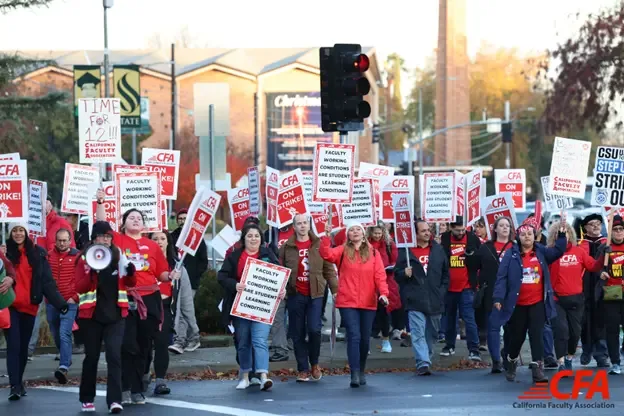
point(343, 87)
point(507, 132)
point(404, 169)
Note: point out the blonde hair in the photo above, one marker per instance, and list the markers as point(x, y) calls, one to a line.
point(553, 231)
point(349, 249)
point(385, 234)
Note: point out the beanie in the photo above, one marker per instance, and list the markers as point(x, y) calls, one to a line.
point(18, 224)
point(101, 228)
point(351, 224)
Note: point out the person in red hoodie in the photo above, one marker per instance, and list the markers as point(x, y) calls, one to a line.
point(54, 222)
point(566, 275)
point(361, 286)
point(379, 239)
point(103, 307)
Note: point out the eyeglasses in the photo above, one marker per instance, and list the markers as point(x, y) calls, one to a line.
point(618, 229)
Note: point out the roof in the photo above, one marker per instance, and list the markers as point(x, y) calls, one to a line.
point(251, 61)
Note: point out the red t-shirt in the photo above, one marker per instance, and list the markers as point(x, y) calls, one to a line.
point(532, 287)
point(422, 254)
point(498, 246)
point(567, 272)
point(23, 284)
point(165, 288)
point(616, 261)
point(283, 236)
point(240, 267)
point(303, 271)
point(147, 257)
point(457, 271)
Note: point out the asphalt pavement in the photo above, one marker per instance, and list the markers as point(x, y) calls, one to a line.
point(471, 392)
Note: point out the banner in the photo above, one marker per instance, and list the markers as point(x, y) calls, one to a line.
point(375, 172)
point(291, 197)
point(37, 195)
point(167, 162)
point(390, 185)
point(99, 131)
point(512, 181)
point(13, 191)
point(127, 80)
point(140, 190)
point(308, 186)
point(259, 300)
point(255, 200)
point(78, 180)
point(439, 197)
point(272, 191)
point(110, 205)
point(87, 84)
point(608, 188)
point(333, 171)
point(498, 206)
point(362, 207)
point(554, 203)
point(238, 199)
point(568, 169)
point(460, 200)
point(475, 191)
point(203, 209)
point(404, 230)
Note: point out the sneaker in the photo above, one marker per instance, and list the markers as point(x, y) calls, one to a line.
point(57, 357)
point(115, 408)
point(317, 374)
point(61, 375)
point(483, 348)
point(475, 356)
point(23, 392)
point(407, 342)
point(550, 363)
point(423, 371)
point(126, 397)
point(161, 390)
point(242, 384)
point(78, 349)
point(137, 398)
point(442, 340)
point(176, 348)
point(447, 352)
point(87, 407)
point(30, 358)
point(497, 367)
point(396, 335)
point(603, 363)
point(14, 394)
point(615, 370)
point(278, 357)
point(303, 377)
point(585, 359)
point(255, 381)
point(386, 347)
point(192, 346)
point(266, 384)
point(561, 368)
point(567, 363)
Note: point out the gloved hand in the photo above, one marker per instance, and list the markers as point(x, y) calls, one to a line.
point(130, 269)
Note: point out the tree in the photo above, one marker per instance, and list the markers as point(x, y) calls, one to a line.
point(586, 92)
point(425, 80)
point(392, 101)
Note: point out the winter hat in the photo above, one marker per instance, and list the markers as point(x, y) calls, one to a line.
point(18, 224)
point(351, 224)
point(101, 228)
point(617, 221)
point(529, 223)
point(182, 211)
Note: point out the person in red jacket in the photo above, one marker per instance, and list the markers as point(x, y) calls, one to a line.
point(361, 277)
point(62, 259)
point(54, 222)
point(102, 311)
point(566, 275)
point(378, 239)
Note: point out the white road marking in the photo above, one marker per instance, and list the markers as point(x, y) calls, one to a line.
point(426, 395)
point(177, 403)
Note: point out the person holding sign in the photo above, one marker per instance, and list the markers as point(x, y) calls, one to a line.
point(612, 293)
point(567, 282)
point(523, 296)
point(251, 336)
point(361, 286)
point(33, 280)
point(145, 304)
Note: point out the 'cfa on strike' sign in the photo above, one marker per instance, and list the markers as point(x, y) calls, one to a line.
point(99, 130)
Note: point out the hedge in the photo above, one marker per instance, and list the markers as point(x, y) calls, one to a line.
point(207, 301)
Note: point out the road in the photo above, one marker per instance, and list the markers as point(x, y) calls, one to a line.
point(471, 392)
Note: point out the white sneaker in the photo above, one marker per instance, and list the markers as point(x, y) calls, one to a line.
point(386, 347)
point(615, 369)
point(396, 335)
point(192, 346)
point(176, 349)
point(254, 381)
point(266, 384)
point(115, 408)
point(242, 384)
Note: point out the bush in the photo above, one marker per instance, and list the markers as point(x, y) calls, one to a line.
point(207, 301)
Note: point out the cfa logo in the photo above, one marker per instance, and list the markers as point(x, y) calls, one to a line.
point(399, 183)
point(476, 179)
point(592, 384)
point(380, 172)
point(569, 258)
point(273, 178)
point(514, 176)
point(211, 203)
point(402, 203)
point(242, 193)
point(290, 180)
point(9, 170)
point(109, 190)
point(162, 158)
point(498, 202)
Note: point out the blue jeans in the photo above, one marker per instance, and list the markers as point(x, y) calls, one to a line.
point(34, 338)
point(461, 301)
point(304, 318)
point(493, 338)
point(423, 330)
point(442, 330)
point(598, 350)
point(549, 341)
point(61, 329)
point(359, 325)
point(17, 337)
point(252, 338)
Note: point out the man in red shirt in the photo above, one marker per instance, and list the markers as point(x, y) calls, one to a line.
point(461, 289)
point(62, 259)
point(54, 222)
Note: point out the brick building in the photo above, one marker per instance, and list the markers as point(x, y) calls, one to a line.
point(267, 88)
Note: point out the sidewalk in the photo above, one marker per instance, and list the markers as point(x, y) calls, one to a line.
point(223, 360)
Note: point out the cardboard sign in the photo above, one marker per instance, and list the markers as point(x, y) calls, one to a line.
point(259, 300)
point(439, 197)
point(512, 181)
point(390, 185)
point(255, 200)
point(37, 195)
point(375, 172)
point(362, 206)
point(10, 156)
point(333, 170)
point(608, 188)
point(554, 203)
point(110, 205)
point(167, 162)
point(203, 209)
point(460, 199)
point(474, 193)
point(13, 191)
point(308, 186)
point(271, 192)
point(568, 169)
point(238, 199)
point(291, 197)
point(78, 181)
point(140, 190)
point(99, 130)
point(498, 206)
point(404, 230)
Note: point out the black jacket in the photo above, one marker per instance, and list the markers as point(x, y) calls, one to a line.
point(484, 262)
point(43, 283)
point(274, 239)
point(195, 265)
point(472, 244)
point(81, 235)
point(423, 292)
point(227, 278)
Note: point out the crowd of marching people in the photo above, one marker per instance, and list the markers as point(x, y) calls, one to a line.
point(560, 286)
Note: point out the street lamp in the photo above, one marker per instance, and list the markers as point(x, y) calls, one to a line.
point(107, 5)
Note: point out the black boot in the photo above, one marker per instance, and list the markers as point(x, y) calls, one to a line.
point(14, 394)
point(537, 368)
point(512, 365)
point(355, 379)
point(363, 373)
point(497, 367)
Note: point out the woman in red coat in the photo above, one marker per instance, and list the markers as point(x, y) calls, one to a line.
point(380, 240)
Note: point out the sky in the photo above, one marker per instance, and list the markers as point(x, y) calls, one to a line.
point(407, 27)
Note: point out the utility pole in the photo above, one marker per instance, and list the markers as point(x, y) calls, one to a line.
point(421, 147)
point(174, 105)
point(507, 145)
point(107, 4)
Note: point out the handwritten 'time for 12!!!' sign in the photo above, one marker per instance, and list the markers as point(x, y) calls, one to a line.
point(99, 130)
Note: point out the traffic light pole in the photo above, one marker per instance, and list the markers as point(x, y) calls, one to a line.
point(507, 144)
